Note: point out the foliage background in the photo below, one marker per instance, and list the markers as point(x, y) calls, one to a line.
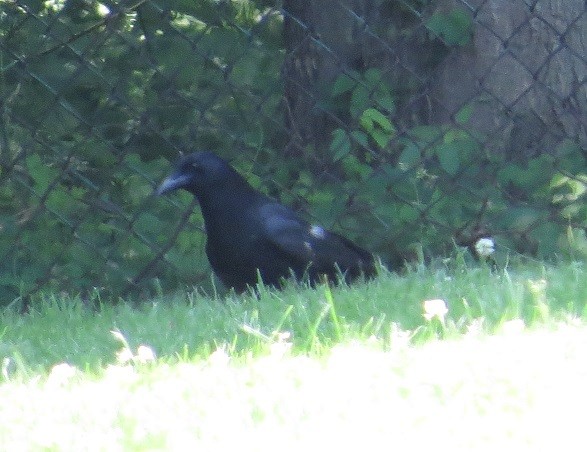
point(408, 142)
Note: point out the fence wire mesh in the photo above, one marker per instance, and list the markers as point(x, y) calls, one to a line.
point(406, 125)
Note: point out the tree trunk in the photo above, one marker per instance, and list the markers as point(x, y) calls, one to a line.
point(523, 73)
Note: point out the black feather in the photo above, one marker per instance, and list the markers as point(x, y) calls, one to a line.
point(250, 234)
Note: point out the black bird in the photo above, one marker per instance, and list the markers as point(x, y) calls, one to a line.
point(251, 235)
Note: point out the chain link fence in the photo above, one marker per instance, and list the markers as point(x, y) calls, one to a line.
point(408, 126)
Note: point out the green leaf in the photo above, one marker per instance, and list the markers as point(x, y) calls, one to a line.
point(385, 101)
point(343, 84)
point(454, 27)
point(353, 167)
point(508, 173)
point(60, 201)
point(381, 138)
point(366, 122)
point(376, 117)
point(373, 76)
point(464, 114)
point(361, 138)
point(41, 173)
point(409, 156)
point(408, 214)
point(424, 135)
point(359, 101)
point(148, 224)
point(340, 145)
point(448, 157)
point(464, 145)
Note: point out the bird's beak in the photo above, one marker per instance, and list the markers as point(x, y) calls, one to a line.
point(173, 182)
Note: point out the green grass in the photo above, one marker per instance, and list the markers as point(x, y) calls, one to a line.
point(326, 367)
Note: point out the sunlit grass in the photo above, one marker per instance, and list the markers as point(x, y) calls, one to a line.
point(465, 357)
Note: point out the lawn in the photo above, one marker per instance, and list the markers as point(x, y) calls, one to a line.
point(373, 365)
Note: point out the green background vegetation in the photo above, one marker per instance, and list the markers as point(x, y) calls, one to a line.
point(96, 103)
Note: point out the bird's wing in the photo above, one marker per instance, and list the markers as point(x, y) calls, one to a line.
point(285, 230)
point(310, 243)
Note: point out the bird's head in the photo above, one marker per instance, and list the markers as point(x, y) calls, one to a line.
point(198, 172)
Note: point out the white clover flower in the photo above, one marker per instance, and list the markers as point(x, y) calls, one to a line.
point(485, 247)
point(514, 326)
point(124, 355)
point(435, 308)
point(145, 354)
point(119, 374)
point(219, 357)
point(61, 373)
point(282, 344)
point(102, 9)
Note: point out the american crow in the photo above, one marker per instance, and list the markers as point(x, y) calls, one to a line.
point(249, 234)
